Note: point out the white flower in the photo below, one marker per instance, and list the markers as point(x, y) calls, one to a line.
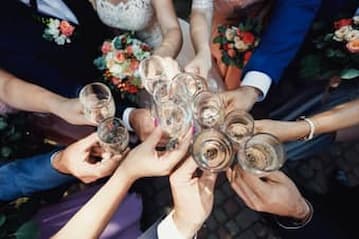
point(240, 46)
point(53, 23)
point(230, 33)
point(352, 35)
point(356, 20)
point(341, 32)
point(116, 70)
point(60, 40)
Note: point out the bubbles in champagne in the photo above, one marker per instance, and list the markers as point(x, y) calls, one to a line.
point(212, 150)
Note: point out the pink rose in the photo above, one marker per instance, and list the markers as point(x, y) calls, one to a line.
point(106, 47)
point(66, 28)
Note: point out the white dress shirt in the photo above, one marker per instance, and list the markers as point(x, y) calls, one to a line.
point(167, 229)
point(55, 8)
point(258, 80)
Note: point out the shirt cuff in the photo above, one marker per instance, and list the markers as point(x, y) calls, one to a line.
point(126, 118)
point(258, 80)
point(167, 229)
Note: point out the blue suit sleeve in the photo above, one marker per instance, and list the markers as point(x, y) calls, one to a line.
point(284, 35)
point(151, 233)
point(26, 176)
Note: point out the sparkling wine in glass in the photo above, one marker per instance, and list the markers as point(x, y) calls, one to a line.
point(151, 71)
point(97, 102)
point(262, 153)
point(208, 109)
point(212, 150)
point(191, 84)
point(238, 125)
point(174, 119)
point(113, 135)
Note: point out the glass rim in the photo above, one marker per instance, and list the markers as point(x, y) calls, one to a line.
point(201, 165)
point(107, 89)
point(104, 121)
point(255, 170)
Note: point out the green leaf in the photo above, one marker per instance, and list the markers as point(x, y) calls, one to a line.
point(348, 74)
point(5, 152)
point(226, 59)
point(217, 39)
point(2, 219)
point(29, 230)
point(100, 63)
point(3, 124)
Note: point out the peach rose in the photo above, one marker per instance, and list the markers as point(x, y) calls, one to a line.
point(353, 46)
point(106, 47)
point(66, 28)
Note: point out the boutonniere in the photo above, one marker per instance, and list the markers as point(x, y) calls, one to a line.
point(59, 31)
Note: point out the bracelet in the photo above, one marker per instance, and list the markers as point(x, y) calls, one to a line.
point(311, 126)
point(291, 223)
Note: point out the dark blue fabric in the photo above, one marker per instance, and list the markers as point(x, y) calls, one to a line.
point(284, 35)
point(151, 233)
point(26, 176)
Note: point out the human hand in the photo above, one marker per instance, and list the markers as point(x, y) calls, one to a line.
point(283, 130)
point(70, 110)
point(200, 64)
point(242, 98)
point(142, 122)
point(274, 193)
point(144, 160)
point(192, 196)
point(77, 160)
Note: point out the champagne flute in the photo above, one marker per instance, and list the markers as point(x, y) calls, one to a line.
point(151, 71)
point(212, 150)
point(97, 102)
point(262, 153)
point(238, 125)
point(191, 84)
point(175, 120)
point(113, 135)
point(208, 109)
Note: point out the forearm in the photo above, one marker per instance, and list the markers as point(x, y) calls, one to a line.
point(103, 205)
point(200, 23)
point(340, 117)
point(171, 43)
point(25, 96)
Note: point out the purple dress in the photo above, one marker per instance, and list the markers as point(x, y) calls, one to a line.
point(125, 224)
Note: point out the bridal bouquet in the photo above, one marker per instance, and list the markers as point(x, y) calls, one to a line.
point(335, 53)
point(237, 42)
point(119, 63)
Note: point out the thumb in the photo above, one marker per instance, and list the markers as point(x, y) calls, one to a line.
point(208, 180)
point(154, 137)
point(88, 141)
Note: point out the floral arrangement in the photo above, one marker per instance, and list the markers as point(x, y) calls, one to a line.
point(58, 31)
point(119, 63)
point(335, 53)
point(237, 43)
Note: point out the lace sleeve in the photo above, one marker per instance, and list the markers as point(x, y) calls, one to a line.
point(202, 4)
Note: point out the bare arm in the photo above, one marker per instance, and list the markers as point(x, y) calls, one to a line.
point(30, 97)
point(103, 205)
point(337, 118)
point(200, 23)
point(172, 35)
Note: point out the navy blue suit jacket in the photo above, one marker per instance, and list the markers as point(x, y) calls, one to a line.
point(284, 35)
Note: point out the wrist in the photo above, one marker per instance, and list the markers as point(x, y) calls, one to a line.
point(54, 104)
point(184, 226)
point(251, 93)
point(57, 163)
point(125, 172)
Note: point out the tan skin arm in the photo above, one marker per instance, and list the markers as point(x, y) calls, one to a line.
point(337, 118)
point(172, 35)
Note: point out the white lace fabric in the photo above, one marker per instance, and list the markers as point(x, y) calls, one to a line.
point(133, 15)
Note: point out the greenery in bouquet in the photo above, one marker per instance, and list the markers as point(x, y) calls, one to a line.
point(119, 64)
point(236, 43)
point(336, 51)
